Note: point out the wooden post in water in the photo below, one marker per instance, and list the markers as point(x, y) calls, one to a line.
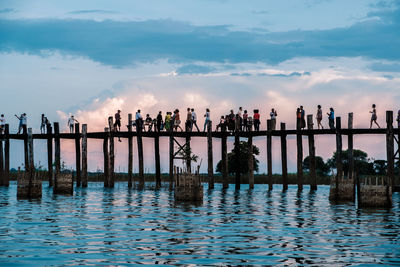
point(269, 154)
point(171, 160)
point(106, 156)
point(339, 166)
point(6, 178)
point(57, 152)
point(350, 147)
point(188, 160)
point(84, 156)
point(224, 158)
point(111, 152)
point(78, 154)
point(390, 148)
point(210, 166)
point(157, 159)
point(299, 138)
point(26, 157)
point(49, 154)
point(250, 160)
point(237, 160)
point(284, 157)
point(1, 162)
point(140, 155)
point(311, 149)
point(130, 152)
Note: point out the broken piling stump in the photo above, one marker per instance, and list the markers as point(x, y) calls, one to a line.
point(188, 186)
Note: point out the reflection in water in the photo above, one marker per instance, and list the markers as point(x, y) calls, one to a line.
point(256, 227)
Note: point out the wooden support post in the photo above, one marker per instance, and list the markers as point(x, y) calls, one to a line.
point(26, 157)
point(311, 149)
point(250, 160)
point(237, 160)
point(1, 162)
point(224, 158)
point(390, 148)
point(111, 152)
point(106, 157)
point(269, 154)
point(140, 155)
point(49, 154)
point(78, 154)
point(210, 168)
point(188, 160)
point(57, 152)
point(339, 165)
point(84, 156)
point(299, 138)
point(350, 147)
point(157, 159)
point(31, 164)
point(171, 160)
point(6, 179)
point(130, 152)
point(284, 157)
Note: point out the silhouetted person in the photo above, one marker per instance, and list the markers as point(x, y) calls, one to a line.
point(319, 117)
point(139, 121)
point(256, 120)
point(331, 117)
point(302, 117)
point(188, 123)
point(159, 121)
point(43, 124)
point(374, 117)
point(117, 123)
point(71, 123)
point(273, 115)
point(194, 120)
point(207, 115)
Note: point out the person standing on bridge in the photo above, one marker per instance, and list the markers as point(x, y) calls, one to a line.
point(43, 124)
point(245, 117)
point(331, 117)
point(273, 115)
point(188, 124)
point(167, 121)
point(319, 117)
point(139, 121)
point(2, 123)
point(256, 120)
point(177, 120)
point(159, 121)
point(71, 123)
point(206, 122)
point(374, 117)
point(302, 117)
point(194, 120)
point(117, 123)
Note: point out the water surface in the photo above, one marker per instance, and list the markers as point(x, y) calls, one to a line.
point(118, 226)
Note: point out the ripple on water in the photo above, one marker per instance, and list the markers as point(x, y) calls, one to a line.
point(120, 226)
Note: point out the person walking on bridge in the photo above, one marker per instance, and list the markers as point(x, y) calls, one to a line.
point(71, 123)
point(117, 123)
point(319, 117)
point(374, 117)
point(206, 122)
point(331, 117)
point(194, 120)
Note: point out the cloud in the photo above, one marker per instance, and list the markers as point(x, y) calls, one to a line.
point(7, 10)
point(124, 43)
point(195, 69)
point(385, 67)
point(92, 11)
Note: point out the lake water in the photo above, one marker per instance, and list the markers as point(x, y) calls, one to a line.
point(118, 226)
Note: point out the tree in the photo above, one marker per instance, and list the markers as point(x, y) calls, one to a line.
point(380, 166)
point(243, 166)
point(361, 162)
point(321, 167)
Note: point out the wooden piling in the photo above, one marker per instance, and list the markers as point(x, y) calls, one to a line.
point(130, 152)
point(6, 178)
point(339, 166)
point(250, 160)
point(1, 162)
point(311, 149)
point(188, 159)
point(237, 160)
point(111, 153)
point(350, 149)
point(224, 159)
point(140, 156)
point(49, 154)
point(57, 153)
point(106, 157)
point(78, 154)
point(284, 157)
point(84, 156)
point(210, 166)
point(299, 139)
point(26, 157)
point(390, 148)
point(171, 160)
point(269, 154)
point(157, 159)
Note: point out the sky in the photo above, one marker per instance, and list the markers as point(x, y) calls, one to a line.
point(90, 58)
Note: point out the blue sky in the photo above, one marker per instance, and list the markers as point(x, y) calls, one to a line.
point(89, 58)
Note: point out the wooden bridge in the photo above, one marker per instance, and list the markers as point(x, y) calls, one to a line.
point(108, 136)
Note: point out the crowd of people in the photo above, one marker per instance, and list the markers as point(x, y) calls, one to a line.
point(242, 120)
